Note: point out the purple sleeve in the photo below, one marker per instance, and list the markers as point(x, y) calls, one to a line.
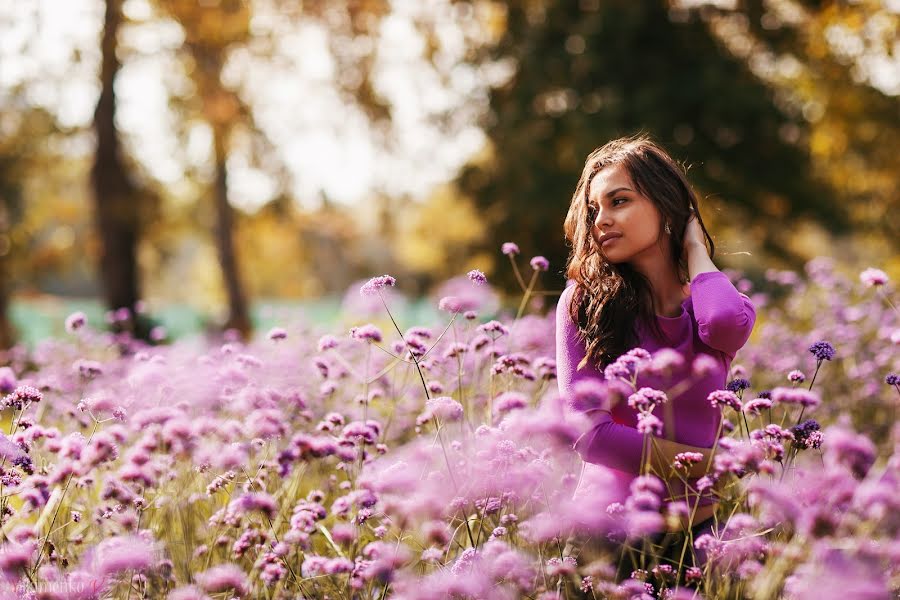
point(606, 442)
point(725, 317)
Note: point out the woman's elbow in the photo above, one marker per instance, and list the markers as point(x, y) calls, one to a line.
point(728, 332)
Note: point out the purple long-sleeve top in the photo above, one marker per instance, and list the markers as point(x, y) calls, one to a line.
point(715, 320)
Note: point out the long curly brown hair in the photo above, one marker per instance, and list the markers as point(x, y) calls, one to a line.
point(609, 298)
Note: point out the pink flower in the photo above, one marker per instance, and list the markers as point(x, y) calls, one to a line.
point(873, 277)
point(277, 333)
point(75, 321)
point(366, 333)
point(376, 284)
point(222, 578)
point(256, 501)
point(509, 248)
point(540, 263)
point(508, 401)
point(476, 277)
point(723, 398)
point(785, 395)
point(123, 553)
point(442, 407)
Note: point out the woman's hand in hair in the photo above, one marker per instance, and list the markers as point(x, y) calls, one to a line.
point(693, 235)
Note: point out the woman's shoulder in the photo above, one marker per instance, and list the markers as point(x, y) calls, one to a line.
point(565, 298)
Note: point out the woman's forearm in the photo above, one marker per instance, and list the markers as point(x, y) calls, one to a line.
point(662, 454)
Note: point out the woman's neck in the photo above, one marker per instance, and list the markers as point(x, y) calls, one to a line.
point(667, 291)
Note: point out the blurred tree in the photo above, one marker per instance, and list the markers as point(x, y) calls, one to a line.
point(10, 213)
point(211, 29)
point(834, 67)
point(586, 72)
point(213, 32)
point(117, 200)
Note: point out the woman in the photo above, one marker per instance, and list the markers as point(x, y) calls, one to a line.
point(643, 277)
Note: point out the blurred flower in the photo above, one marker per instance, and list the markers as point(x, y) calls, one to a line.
point(723, 398)
point(75, 321)
point(873, 277)
point(450, 304)
point(785, 395)
point(540, 263)
point(376, 284)
point(223, 578)
point(277, 333)
point(123, 553)
point(509, 248)
point(7, 380)
point(649, 423)
point(327, 342)
point(366, 333)
point(796, 376)
point(646, 399)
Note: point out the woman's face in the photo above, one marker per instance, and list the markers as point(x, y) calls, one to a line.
point(618, 207)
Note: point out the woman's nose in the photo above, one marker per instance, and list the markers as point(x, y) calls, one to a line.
point(603, 221)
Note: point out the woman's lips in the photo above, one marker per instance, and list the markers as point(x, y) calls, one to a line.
point(611, 239)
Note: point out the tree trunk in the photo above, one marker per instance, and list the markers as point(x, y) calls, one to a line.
point(7, 332)
point(115, 197)
point(238, 316)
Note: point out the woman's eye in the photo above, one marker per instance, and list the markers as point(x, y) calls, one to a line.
point(617, 199)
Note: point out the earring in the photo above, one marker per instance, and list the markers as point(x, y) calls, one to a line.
point(667, 229)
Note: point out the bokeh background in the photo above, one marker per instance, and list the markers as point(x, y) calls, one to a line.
point(222, 163)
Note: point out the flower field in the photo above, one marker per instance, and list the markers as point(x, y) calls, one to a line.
point(405, 461)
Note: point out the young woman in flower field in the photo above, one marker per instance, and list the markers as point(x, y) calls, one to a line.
point(643, 278)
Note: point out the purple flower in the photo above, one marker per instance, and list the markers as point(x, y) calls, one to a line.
point(252, 502)
point(22, 396)
point(277, 333)
point(540, 263)
point(7, 380)
point(123, 553)
point(784, 395)
point(704, 364)
point(646, 399)
point(88, 369)
point(723, 398)
point(757, 405)
point(222, 578)
point(508, 401)
point(737, 384)
point(75, 321)
point(649, 423)
point(665, 361)
point(822, 350)
point(856, 452)
point(684, 460)
point(477, 277)
point(873, 277)
point(327, 342)
point(376, 284)
point(366, 333)
point(492, 327)
point(450, 304)
point(803, 434)
point(892, 379)
point(509, 248)
point(442, 407)
point(796, 376)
